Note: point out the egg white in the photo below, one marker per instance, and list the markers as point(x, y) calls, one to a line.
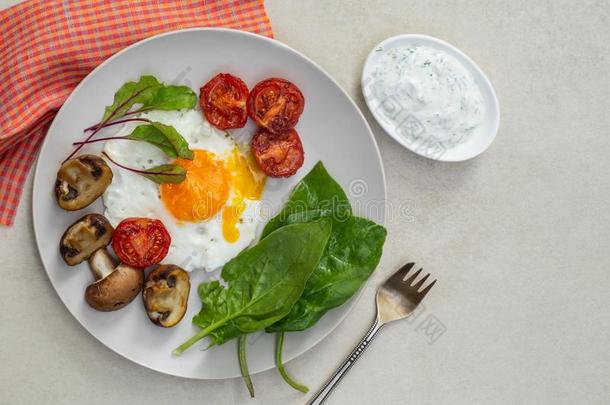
point(194, 245)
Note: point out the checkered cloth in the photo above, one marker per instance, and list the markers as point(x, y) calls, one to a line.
point(48, 46)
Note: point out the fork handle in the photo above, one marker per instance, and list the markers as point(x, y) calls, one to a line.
point(333, 381)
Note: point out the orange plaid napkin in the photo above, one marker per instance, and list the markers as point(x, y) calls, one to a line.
point(48, 46)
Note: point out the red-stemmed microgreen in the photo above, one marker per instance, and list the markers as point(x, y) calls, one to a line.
point(164, 137)
point(100, 126)
point(168, 173)
point(108, 118)
point(149, 94)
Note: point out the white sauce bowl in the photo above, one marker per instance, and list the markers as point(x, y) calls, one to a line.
point(482, 136)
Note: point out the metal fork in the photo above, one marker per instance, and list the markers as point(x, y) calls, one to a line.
point(396, 299)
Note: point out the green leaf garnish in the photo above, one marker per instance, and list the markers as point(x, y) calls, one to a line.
point(168, 98)
point(163, 174)
point(164, 137)
point(129, 94)
point(151, 95)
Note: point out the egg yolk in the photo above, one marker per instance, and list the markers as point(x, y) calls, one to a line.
point(204, 191)
point(247, 182)
point(208, 185)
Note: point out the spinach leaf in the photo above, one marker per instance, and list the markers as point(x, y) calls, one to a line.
point(317, 194)
point(164, 137)
point(151, 95)
point(264, 282)
point(352, 253)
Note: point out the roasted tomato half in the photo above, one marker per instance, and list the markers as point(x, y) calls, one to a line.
point(276, 104)
point(278, 155)
point(223, 101)
point(141, 242)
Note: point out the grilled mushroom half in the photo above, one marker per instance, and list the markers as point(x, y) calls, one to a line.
point(85, 236)
point(166, 293)
point(81, 180)
point(115, 286)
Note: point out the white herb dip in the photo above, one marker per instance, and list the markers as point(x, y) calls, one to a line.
point(427, 94)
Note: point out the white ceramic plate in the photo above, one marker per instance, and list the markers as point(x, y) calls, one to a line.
point(332, 129)
point(483, 135)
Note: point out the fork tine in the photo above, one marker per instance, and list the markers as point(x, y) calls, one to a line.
point(423, 293)
point(412, 278)
point(401, 273)
point(421, 282)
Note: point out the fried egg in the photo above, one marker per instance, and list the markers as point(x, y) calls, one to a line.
point(213, 214)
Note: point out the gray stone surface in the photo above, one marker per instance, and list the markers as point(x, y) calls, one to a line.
point(518, 237)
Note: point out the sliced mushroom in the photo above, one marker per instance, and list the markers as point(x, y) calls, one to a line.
point(85, 236)
point(115, 286)
point(166, 295)
point(81, 180)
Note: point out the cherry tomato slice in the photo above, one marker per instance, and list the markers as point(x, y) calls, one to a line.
point(223, 101)
point(141, 242)
point(278, 155)
point(276, 104)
